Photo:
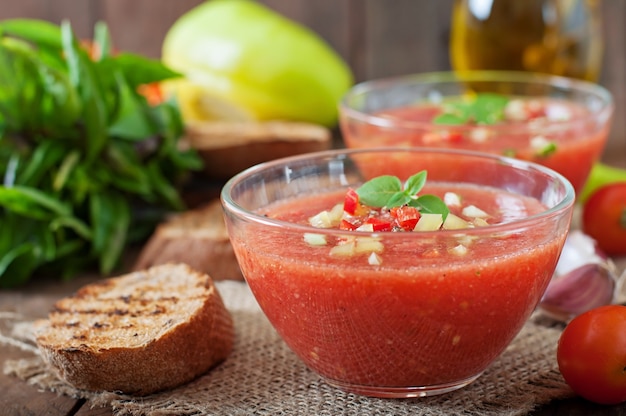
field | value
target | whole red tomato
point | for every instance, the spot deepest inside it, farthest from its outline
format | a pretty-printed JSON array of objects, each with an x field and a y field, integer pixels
[
  {"x": 604, "y": 218},
  {"x": 592, "y": 354}
]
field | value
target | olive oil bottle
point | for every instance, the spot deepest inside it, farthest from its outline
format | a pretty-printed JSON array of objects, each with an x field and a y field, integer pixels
[{"x": 561, "y": 37}]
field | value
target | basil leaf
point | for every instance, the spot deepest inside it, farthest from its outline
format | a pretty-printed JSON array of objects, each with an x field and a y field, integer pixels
[
  {"x": 431, "y": 204},
  {"x": 17, "y": 264},
  {"x": 39, "y": 32},
  {"x": 488, "y": 108},
  {"x": 139, "y": 70},
  {"x": 398, "y": 199},
  {"x": 110, "y": 217},
  {"x": 482, "y": 108},
  {"x": 74, "y": 224},
  {"x": 415, "y": 183},
  {"x": 163, "y": 187},
  {"x": 81, "y": 150},
  {"x": 377, "y": 192},
  {"x": 102, "y": 41},
  {"x": 450, "y": 119},
  {"x": 32, "y": 203},
  {"x": 131, "y": 122},
  {"x": 67, "y": 165}
]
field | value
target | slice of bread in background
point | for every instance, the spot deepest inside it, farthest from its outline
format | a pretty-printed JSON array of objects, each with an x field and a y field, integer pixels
[
  {"x": 138, "y": 333},
  {"x": 228, "y": 147},
  {"x": 197, "y": 237}
]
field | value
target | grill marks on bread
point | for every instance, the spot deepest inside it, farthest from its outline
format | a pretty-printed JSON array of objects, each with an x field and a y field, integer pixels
[{"x": 138, "y": 333}]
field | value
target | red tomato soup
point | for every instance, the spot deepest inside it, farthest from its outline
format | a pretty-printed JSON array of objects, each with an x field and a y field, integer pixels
[
  {"x": 558, "y": 134},
  {"x": 427, "y": 315}
]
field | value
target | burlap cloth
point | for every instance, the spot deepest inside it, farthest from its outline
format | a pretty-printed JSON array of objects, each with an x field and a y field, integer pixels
[{"x": 263, "y": 377}]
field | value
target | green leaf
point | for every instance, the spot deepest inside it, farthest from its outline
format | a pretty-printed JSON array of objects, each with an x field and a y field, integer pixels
[
  {"x": 451, "y": 119},
  {"x": 80, "y": 150},
  {"x": 163, "y": 187},
  {"x": 17, "y": 265},
  {"x": 102, "y": 40},
  {"x": 139, "y": 70},
  {"x": 60, "y": 103},
  {"x": 67, "y": 166},
  {"x": 398, "y": 199},
  {"x": 110, "y": 216},
  {"x": 74, "y": 224},
  {"x": 431, "y": 204},
  {"x": 482, "y": 108},
  {"x": 415, "y": 183},
  {"x": 387, "y": 191},
  {"x": 82, "y": 75},
  {"x": 19, "y": 87},
  {"x": 131, "y": 121},
  {"x": 488, "y": 108},
  {"x": 39, "y": 32},
  {"x": 32, "y": 203},
  {"x": 378, "y": 191}
]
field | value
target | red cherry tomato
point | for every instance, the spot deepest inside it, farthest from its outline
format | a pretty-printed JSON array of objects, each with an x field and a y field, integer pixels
[
  {"x": 604, "y": 218},
  {"x": 592, "y": 354}
]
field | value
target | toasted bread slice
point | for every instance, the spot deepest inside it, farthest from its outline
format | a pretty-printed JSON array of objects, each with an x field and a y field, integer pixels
[
  {"x": 228, "y": 147},
  {"x": 197, "y": 237},
  {"x": 139, "y": 333}
]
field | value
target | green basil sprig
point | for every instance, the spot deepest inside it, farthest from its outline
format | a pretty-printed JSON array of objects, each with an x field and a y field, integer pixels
[
  {"x": 389, "y": 191},
  {"x": 482, "y": 108},
  {"x": 87, "y": 165}
]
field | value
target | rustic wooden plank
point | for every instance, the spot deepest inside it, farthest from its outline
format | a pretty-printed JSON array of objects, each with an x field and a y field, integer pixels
[
  {"x": 327, "y": 18},
  {"x": 81, "y": 14},
  {"x": 405, "y": 36},
  {"x": 140, "y": 25},
  {"x": 613, "y": 76},
  {"x": 17, "y": 397}
]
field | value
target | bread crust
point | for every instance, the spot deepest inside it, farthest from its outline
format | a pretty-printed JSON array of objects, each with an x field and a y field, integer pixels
[
  {"x": 90, "y": 345},
  {"x": 197, "y": 237},
  {"x": 228, "y": 147}
]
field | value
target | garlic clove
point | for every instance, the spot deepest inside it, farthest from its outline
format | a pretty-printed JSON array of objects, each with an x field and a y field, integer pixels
[
  {"x": 579, "y": 249},
  {"x": 582, "y": 289},
  {"x": 585, "y": 278}
]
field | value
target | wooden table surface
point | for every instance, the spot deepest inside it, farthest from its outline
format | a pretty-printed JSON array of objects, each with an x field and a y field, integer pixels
[{"x": 35, "y": 299}]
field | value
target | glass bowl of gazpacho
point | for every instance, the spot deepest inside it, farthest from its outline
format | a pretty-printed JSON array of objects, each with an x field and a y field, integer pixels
[
  {"x": 398, "y": 272},
  {"x": 558, "y": 122}
]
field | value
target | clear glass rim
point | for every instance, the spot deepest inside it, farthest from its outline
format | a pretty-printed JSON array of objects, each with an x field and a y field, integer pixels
[
  {"x": 230, "y": 206},
  {"x": 519, "y": 77}
]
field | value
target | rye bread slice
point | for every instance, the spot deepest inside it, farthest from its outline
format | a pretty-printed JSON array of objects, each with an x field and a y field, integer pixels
[
  {"x": 197, "y": 237},
  {"x": 139, "y": 333}
]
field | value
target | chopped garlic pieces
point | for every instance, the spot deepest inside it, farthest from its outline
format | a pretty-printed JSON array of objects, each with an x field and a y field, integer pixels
[
  {"x": 374, "y": 259},
  {"x": 313, "y": 239},
  {"x": 452, "y": 199},
  {"x": 327, "y": 219},
  {"x": 459, "y": 250},
  {"x": 343, "y": 249},
  {"x": 473, "y": 211},
  {"x": 321, "y": 220}
]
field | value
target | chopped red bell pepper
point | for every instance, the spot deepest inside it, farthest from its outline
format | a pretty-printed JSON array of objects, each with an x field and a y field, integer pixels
[
  {"x": 379, "y": 224},
  {"x": 351, "y": 201},
  {"x": 406, "y": 216},
  {"x": 347, "y": 225},
  {"x": 455, "y": 137}
]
